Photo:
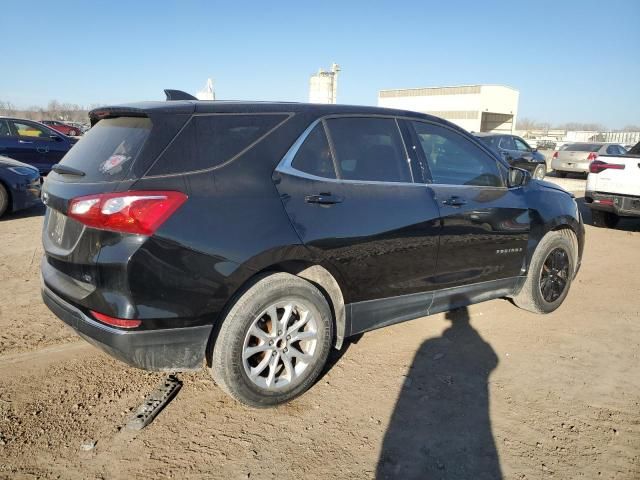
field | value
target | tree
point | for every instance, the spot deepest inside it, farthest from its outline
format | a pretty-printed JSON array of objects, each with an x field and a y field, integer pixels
[
  {"x": 525, "y": 123},
  {"x": 7, "y": 108}
]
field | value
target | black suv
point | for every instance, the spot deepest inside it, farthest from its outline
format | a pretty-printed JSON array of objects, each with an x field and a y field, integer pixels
[
  {"x": 257, "y": 236},
  {"x": 517, "y": 152}
]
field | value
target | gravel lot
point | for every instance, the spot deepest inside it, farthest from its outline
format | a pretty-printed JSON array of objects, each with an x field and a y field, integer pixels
[{"x": 489, "y": 392}]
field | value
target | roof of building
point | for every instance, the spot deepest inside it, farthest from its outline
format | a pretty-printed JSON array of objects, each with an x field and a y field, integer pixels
[{"x": 443, "y": 90}]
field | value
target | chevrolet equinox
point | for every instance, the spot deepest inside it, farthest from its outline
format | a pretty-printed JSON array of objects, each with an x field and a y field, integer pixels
[{"x": 254, "y": 237}]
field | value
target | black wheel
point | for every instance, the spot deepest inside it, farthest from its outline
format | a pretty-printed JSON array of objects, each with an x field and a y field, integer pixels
[
  {"x": 4, "y": 200},
  {"x": 540, "y": 172},
  {"x": 274, "y": 341},
  {"x": 561, "y": 174},
  {"x": 550, "y": 273},
  {"x": 604, "y": 219}
]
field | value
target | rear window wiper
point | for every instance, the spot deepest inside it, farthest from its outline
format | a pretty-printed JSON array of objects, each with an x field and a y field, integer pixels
[{"x": 64, "y": 170}]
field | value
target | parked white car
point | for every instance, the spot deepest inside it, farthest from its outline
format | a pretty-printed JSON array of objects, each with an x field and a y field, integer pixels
[
  {"x": 613, "y": 187},
  {"x": 576, "y": 157}
]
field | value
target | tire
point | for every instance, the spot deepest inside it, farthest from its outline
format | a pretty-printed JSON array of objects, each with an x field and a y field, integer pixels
[
  {"x": 604, "y": 219},
  {"x": 531, "y": 296},
  {"x": 73, "y": 133},
  {"x": 540, "y": 172},
  {"x": 561, "y": 174},
  {"x": 249, "y": 327},
  {"x": 4, "y": 200}
]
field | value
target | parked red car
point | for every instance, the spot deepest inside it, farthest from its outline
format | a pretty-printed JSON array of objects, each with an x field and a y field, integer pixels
[{"x": 62, "y": 127}]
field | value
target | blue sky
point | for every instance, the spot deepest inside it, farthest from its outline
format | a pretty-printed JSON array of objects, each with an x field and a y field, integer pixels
[{"x": 571, "y": 60}]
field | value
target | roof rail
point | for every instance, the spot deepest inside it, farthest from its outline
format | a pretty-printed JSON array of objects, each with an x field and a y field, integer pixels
[{"x": 178, "y": 95}]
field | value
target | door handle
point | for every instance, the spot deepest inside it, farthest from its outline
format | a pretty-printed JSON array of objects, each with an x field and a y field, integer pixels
[
  {"x": 454, "y": 201},
  {"x": 23, "y": 141},
  {"x": 323, "y": 199}
]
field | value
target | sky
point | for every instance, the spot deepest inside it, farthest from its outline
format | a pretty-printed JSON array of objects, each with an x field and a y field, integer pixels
[{"x": 572, "y": 61}]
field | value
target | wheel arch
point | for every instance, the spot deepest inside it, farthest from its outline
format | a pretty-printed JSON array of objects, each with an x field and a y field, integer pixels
[{"x": 325, "y": 281}]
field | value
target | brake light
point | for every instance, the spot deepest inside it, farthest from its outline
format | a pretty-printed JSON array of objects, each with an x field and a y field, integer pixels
[
  {"x": 555, "y": 155},
  {"x": 127, "y": 212},
  {"x": 116, "y": 322},
  {"x": 592, "y": 156},
  {"x": 604, "y": 201},
  {"x": 598, "y": 166}
]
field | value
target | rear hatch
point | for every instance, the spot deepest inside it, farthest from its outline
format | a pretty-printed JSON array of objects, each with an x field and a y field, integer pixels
[{"x": 110, "y": 158}]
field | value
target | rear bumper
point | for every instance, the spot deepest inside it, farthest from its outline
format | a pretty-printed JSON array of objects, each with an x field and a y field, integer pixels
[
  {"x": 171, "y": 349},
  {"x": 623, "y": 205},
  {"x": 574, "y": 167}
]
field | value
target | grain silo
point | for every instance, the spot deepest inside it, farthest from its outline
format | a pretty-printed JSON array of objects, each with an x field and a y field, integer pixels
[{"x": 323, "y": 86}]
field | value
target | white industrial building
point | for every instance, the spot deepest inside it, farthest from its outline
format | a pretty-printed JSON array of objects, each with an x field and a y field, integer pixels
[
  {"x": 476, "y": 108},
  {"x": 323, "y": 86}
]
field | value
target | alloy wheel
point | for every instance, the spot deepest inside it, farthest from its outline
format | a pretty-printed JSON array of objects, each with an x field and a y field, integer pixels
[
  {"x": 554, "y": 275},
  {"x": 280, "y": 345}
]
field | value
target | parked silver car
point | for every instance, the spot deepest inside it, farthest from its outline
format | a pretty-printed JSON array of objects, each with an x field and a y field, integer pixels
[{"x": 576, "y": 157}]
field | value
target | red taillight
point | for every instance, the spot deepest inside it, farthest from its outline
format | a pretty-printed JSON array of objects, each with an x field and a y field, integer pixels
[
  {"x": 592, "y": 156},
  {"x": 128, "y": 212},
  {"x": 604, "y": 201},
  {"x": 598, "y": 166},
  {"x": 555, "y": 155},
  {"x": 116, "y": 322}
]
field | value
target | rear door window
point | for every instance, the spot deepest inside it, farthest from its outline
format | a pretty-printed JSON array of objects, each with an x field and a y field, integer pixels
[
  {"x": 314, "y": 155},
  {"x": 107, "y": 151},
  {"x": 454, "y": 160},
  {"x": 211, "y": 140},
  {"x": 369, "y": 149}
]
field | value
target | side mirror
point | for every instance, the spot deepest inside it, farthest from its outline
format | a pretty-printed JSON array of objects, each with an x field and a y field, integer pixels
[
  {"x": 518, "y": 177},
  {"x": 534, "y": 149}
]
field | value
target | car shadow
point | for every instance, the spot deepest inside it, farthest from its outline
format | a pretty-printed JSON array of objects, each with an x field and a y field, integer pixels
[
  {"x": 440, "y": 427},
  {"x": 36, "y": 211},
  {"x": 626, "y": 224},
  {"x": 336, "y": 354}
]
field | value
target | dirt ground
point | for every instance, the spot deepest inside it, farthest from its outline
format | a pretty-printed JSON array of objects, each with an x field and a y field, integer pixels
[{"x": 480, "y": 393}]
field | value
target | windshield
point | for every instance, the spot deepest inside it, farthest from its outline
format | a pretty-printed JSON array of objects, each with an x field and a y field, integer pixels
[{"x": 107, "y": 152}]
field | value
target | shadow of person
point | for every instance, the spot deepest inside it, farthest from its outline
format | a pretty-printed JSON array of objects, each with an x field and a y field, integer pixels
[{"x": 440, "y": 427}]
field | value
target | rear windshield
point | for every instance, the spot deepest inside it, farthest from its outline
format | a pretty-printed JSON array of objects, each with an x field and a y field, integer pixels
[
  {"x": 107, "y": 151},
  {"x": 583, "y": 147}
]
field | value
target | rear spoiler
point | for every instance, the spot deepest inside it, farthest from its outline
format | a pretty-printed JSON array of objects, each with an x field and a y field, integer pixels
[
  {"x": 146, "y": 109},
  {"x": 109, "y": 112}
]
